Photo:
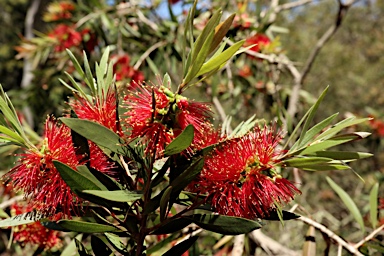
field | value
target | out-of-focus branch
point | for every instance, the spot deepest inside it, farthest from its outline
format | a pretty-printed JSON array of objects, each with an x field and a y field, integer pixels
[
  {"x": 11, "y": 201},
  {"x": 291, "y": 5},
  {"x": 369, "y": 237},
  {"x": 147, "y": 53},
  {"x": 271, "y": 246},
  {"x": 343, "y": 8},
  {"x": 352, "y": 249},
  {"x": 238, "y": 245}
]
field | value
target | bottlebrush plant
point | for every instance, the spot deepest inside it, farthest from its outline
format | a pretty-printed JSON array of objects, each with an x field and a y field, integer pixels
[{"x": 127, "y": 163}]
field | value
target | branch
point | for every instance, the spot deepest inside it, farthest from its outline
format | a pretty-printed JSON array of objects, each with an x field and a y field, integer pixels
[
  {"x": 369, "y": 237},
  {"x": 147, "y": 53},
  {"x": 271, "y": 246},
  {"x": 352, "y": 249},
  {"x": 343, "y": 8},
  {"x": 238, "y": 245}
]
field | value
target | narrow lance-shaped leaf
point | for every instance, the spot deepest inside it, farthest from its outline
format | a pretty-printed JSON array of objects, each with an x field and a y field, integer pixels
[
  {"x": 164, "y": 202},
  {"x": 310, "y": 135},
  {"x": 373, "y": 205},
  {"x": 21, "y": 219},
  {"x": 116, "y": 195},
  {"x": 76, "y": 181},
  {"x": 182, "y": 247},
  {"x": 311, "y": 115},
  {"x": 220, "y": 31},
  {"x": 97, "y": 133},
  {"x": 226, "y": 225},
  {"x": 86, "y": 227},
  {"x": 347, "y": 200},
  {"x": 181, "y": 142},
  {"x": 217, "y": 61}
]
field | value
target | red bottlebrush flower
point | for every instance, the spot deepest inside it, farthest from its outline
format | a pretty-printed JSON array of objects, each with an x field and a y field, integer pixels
[
  {"x": 260, "y": 40},
  {"x": 196, "y": 114},
  {"x": 66, "y": 37},
  {"x": 59, "y": 11},
  {"x": 123, "y": 70},
  {"x": 157, "y": 116},
  {"x": 38, "y": 178},
  {"x": 146, "y": 122},
  {"x": 240, "y": 176},
  {"x": 245, "y": 71},
  {"x": 90, "y": 40},
  {"x": 36, "y": 175},
  {"x": 34, "y": 233},
  {"x": 102, "y": 111},
  {"x": 242, "y": 21},
  {"x": 378, "y": 127},
  {"x": 173, "y": 1}
]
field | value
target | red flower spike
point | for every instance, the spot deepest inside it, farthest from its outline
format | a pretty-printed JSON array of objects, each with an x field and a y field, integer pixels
[
  {"x": 34, "y": 233},
  {"x": 240, "y": 176},
  {"x": 42, "y": 184},
  {"x": 196, "y": 114},
  {"x": 123, "y": 70},
  {"x": 66, "y": 37},
  {"x": 260, "y": 40},
  {"x": 145, "y": 120},
  {"x": 157, "y": 115},
  {"x": 102, "y": 111}
]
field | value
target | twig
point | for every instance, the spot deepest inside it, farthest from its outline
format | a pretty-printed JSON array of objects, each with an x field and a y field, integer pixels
[
  {"x": 238, "y": 245},
  {"x": 369, "y": 237},
  {"x": 292, "y": 106},
  {"x": 147, "y": 53},
  {"x": 331, "y": 235},
  {"x": 220, "y": 110},
  {"x": 292, "y": 5},
  {"x": 271, "y": 246},
  {"x": 11, "y": 201}
]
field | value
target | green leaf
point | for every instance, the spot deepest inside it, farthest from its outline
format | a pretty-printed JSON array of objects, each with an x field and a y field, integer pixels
[
  {"x": 221, "y": 30},
  {"x": 99, "y": 247},
  {"x": 163, "y": 243},
  {"x": 81, "y": 249},
  {"x": 187, "y": 176},
  {"x": 70, "y": 249},
  {"x": 200, "y": 59},
  {"x": 164, "y": 202},
  {"x": 285, "y": 216},
  {"x": 21, "y": 219},
  {"x": 324, "y": 167},
  {"x": 206, "y": 36},
  {"x": 311, "y": 115},
  {"x": 226, "y": 225},
  {"x": 303, "y": 161},
  {"x": 373, "y": 197},
  {"x": 337, "y": 140},
  {"x": 217, "y": 61},
  {"x": 97, "y": 133},
  {"x": 83, "y": 170},
  {"x": 116, "y": 195},
  {"x": 107, "y": 181},
  {"x": 339, "y": 126},
  {"x": 342, "y": 155},
  {"x": 310, "y": 134},
  {"x": 86, "y": 227},
  {"x": 181, "y": 142},
  {"x": 173, "y": 226},
  {"x": 182, "y": 247},
  {"x": 347, "y": 200},
  {"x": 116, "y": 242},
  {"x": 76, "y": 181},
  {"x": 75, "y": 63}
]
